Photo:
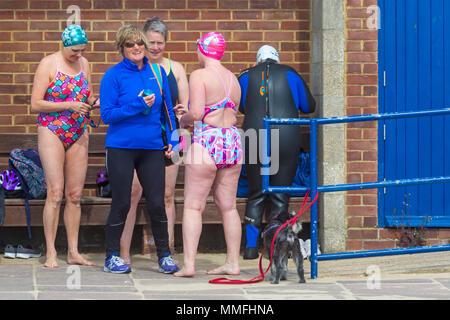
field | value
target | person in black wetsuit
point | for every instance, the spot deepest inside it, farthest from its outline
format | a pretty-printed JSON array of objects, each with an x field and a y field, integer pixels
[{"x": 274, "y": 90}]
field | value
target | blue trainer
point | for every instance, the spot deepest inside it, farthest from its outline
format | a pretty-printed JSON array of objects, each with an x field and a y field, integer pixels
[
  {"x": 115, "y": 264},
  {"x": 167, "y": 264}
]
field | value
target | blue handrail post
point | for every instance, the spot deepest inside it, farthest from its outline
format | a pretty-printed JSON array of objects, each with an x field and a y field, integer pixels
[
  {"x": 313, "y": 177},
  {"x": 314, "y": 123},
  {"x": 265, "y": 156}
]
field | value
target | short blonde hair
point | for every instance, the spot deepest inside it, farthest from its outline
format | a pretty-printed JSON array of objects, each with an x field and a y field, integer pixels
[{"x": 129, "y": 32}]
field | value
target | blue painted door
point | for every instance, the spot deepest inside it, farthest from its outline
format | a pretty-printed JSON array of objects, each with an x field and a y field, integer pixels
[{"x": 414, "y": 74}]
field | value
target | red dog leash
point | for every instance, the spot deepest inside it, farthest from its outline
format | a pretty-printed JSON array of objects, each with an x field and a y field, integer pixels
[{"x": 260, "y": 277}]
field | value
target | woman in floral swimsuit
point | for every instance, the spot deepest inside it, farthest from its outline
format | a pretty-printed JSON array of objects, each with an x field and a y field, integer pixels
[
  {"x": 62, "y": 96},
  {"x": 213, "y": 162}
]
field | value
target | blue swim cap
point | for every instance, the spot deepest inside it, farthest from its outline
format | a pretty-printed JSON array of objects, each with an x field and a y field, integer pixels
[{"x": 74, "y": 35}]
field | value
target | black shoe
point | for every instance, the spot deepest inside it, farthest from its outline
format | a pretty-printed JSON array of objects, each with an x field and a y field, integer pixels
[
  {"x": 27, "y": 252},
  {"x": 251, "y": 253},
  {"x": 10, "y": 251}
]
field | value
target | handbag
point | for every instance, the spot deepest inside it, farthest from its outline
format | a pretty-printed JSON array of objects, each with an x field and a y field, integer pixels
[
  {"x": 164, "y": 115},
  {"x": 103, "y": 186}
]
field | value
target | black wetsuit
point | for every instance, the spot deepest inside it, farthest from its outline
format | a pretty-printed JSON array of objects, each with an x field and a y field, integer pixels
[{"x": 276, "y": 91}]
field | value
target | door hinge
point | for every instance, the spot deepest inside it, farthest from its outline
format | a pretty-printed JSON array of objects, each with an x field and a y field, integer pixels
[
  {"x": 384, "y": 78},
  {"x": 384, "y": 189},
  {"x": 384, "y": 132}
]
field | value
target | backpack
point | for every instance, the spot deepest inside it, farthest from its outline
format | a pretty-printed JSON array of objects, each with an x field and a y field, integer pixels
[
  {"x": 103, "y": 186},
  {"x": 303, "y": 174},
  {"x": 2, "y": 206},
  {"x": 27, "y": 165}
]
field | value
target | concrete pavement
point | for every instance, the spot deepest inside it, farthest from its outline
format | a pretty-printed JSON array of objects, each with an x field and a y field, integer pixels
[{"x": 418, "y": 276}]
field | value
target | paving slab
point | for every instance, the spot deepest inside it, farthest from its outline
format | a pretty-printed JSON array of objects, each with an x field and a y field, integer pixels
[{"x": 404, "y": 277}]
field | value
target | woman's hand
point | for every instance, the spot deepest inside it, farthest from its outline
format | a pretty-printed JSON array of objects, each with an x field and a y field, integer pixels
[
  {"x": 80, "y": 107},
  {"x": 149, "y": 100},
  {"x": 169, "y": 153},
  {"x": 180, "y": 110},
  {"x": 96, "y": 104}
]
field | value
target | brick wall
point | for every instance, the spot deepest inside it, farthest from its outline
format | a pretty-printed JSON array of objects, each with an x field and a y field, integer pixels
[
  {"x": 31, "y": 29},
  {"x": 362, "y": 98}
]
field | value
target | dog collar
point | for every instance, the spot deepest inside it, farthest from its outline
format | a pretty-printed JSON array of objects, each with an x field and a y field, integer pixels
[{"x": 270, "y": 228}]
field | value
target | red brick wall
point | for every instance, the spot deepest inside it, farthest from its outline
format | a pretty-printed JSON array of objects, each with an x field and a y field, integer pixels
[
  {"x": 362, "y": 143},
  {"x": 31, "y": 29}
]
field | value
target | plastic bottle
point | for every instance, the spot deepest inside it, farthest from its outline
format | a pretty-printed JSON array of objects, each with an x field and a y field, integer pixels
[{"x": 146, "y": 93}]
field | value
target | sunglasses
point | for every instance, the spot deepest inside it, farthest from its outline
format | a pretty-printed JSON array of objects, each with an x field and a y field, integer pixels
[
  {"x": 91, "y": 121},
  {"x": 131, "y": 44}
]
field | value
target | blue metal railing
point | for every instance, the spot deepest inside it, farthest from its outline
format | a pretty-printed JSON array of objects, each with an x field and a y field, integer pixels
[{"x": 313, "y": 124}]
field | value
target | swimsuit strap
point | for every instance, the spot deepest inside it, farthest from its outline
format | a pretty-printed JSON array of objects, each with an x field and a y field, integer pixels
[
  {"x": 222, "y": 103},
  {"x": 227, "y": 98},
  {"x": 230, "y": 85},
  {"x": 223, "y": 83},
  {"x": 170, "y": 66},
  {"x": 58, "y": 68}
]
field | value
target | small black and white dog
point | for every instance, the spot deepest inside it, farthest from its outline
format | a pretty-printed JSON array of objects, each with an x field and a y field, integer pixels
[{"x": 286, "y": 244}]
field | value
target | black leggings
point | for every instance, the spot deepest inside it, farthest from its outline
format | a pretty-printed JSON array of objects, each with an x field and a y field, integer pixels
[{"x": 150, "y": 169}]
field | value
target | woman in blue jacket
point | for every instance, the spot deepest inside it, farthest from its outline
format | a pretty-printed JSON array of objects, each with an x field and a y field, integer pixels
[{"x": 134, "y": 141}]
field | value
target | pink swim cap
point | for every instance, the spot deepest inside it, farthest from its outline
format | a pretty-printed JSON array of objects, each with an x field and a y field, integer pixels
[{"x": 212, "y": 45}]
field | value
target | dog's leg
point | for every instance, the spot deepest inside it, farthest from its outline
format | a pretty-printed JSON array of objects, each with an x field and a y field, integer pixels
[
  {"x": 272, "y": 258},
  {"x": 273, "y": 269},
  {"x": 276, "y": 260},
  {"x": 298, "y": 258},
  {"x": 284, "y": 269}
]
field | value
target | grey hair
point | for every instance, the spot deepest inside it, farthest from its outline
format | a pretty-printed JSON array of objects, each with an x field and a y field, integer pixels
[{"x": 157, "y": 25}]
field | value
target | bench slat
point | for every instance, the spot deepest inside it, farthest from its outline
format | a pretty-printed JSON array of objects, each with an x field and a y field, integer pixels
[
  {"x": 11, "y": 141},
  {"x": 95, "y": 211}
]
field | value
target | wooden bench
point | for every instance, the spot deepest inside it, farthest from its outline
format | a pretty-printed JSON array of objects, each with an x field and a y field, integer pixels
[{"x": 95, "y": 209}]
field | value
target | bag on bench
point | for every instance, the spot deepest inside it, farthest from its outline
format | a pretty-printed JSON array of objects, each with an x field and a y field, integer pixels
[
  {"x": 2, "y": 206},
  {"x": 103, "y": 186},
  {"x": 27, "y": 165},
  {"x": 10, "y": 185}
]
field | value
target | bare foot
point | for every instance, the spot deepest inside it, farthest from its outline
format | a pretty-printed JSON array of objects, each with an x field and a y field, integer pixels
[
  {"x": 76, "y": 258},
  {"x": 229, "y": 269},
  {"x": 176, "y": 260},
  {"x": 125, "y": 255},
  {"x": 126, "y": 259},
  {"x": 172, "y": 252},
  {"x": 185, "y": 272},
  {"x": 51, "y": 261}
]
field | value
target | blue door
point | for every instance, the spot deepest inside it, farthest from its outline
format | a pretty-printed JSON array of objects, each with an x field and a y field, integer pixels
[{"x": 414, "y": 74}]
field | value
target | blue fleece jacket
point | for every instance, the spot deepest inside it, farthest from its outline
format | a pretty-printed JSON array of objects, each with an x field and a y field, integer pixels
[{"x": 122, "y": 107}]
